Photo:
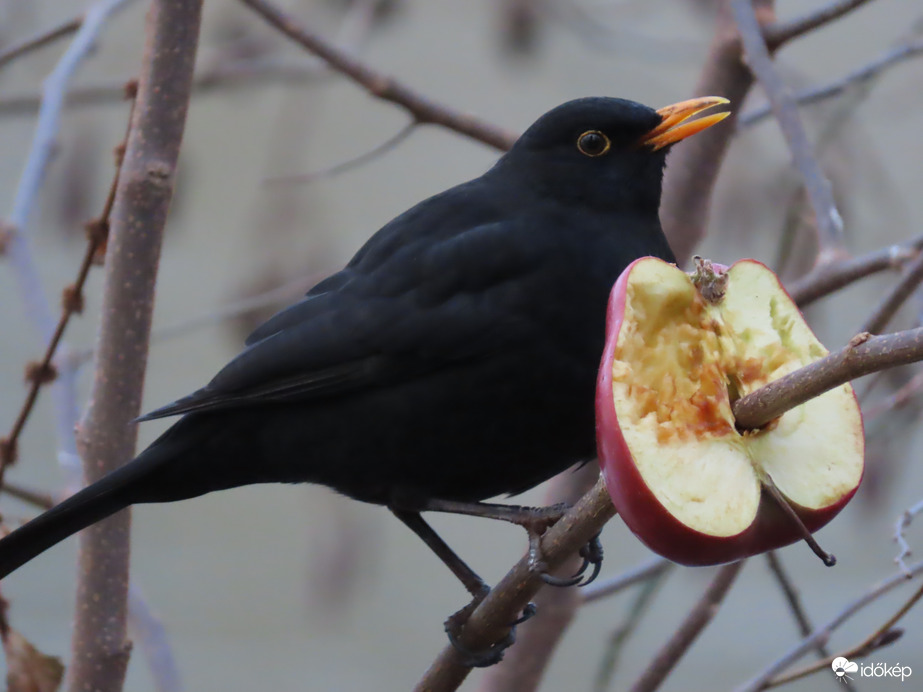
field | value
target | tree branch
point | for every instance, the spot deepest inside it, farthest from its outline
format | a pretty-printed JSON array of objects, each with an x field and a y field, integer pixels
[
  {"x": 382, "y": 86},
  {"x": 863, "y": 355},
  {"x": 829, "y": 277},
  {"x": 107, "y": 436},
  {"x": 785, "y": 31},
  {"x": 507, "y": 599}
]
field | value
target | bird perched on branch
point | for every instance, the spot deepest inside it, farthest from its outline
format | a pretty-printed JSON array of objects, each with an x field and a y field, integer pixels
[{"x": 453, "y": 359}]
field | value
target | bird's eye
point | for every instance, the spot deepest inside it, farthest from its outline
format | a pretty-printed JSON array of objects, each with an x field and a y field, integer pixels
[{"x": 593, "y": 143}]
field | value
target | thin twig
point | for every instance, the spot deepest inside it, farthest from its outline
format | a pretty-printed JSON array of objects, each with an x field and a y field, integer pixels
[
  {"x": 860, "y": 76},
  {"x": 822, "y": 634},
  {"x": 37, "y": 498},
  {"x": 863, "y": 355},
  {"x": 701, "y": 614},
  {"x": 900, "y": 397},
  {"x": 40, "y": 40},
  {"x": 891, "y": 303},
  {"x": 829, "y": 277},
  {"x": 880, "y": 638},
  {"x": 784, "y": 31},
  {"x": 71, "y": 303},
  {"x": 902, "y": 523},
  {"x": 620, "y": 637},
  {"x": 608, "y": 587},
  {"x": 818, "y": 188},
  {"x": 106, "y": 436},
  {"x": 230, "y": 74},
  {"x": 793, "y": 598},
  {"x": 422, "y": 109},
  {"x": 370, "y": 155}
]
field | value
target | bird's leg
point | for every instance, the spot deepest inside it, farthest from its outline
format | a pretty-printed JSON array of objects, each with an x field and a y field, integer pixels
[
  {"x": 475, "y": 586},
  {"x": 535, "y": 520},
  {"x": 467, "y": 576}
]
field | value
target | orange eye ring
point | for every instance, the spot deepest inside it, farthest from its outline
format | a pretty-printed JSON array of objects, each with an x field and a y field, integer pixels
[{"x": 593, "y": 143}]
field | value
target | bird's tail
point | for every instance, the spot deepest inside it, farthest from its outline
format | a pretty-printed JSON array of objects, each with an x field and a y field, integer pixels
[{"x": 107, "y": 496}]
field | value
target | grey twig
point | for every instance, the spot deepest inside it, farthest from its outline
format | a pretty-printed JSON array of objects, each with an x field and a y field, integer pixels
[
  {"x": 860, "y": 76},
  {"x": 891, "y": 303},
  {"x": 822, "y": 633},
  {"x": 818, "y": 188},
  {"x": 902, "y": 523},
  {"x": 602, "y": 589}
]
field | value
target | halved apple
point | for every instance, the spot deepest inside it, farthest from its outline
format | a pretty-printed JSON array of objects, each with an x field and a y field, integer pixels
[{"x": 685, "y": 480}]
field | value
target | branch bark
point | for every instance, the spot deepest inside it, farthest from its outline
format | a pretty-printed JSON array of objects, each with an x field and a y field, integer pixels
[{"x": 106, "y": 436}]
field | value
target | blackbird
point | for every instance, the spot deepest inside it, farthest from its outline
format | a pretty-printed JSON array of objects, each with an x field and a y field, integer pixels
[{"x": 452, "y": 360}]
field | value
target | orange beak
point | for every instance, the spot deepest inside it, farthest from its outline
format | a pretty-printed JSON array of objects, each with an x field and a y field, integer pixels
[{"x": 674, "y": 126}]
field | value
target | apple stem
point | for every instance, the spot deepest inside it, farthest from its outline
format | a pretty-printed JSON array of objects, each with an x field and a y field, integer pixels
[
  {"x": 711, "y": 283},
  {"x": 774, "y": 492}
]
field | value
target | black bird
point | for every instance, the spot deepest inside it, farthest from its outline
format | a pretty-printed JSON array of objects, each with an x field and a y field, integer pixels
[{"x": 452, "y": 360}]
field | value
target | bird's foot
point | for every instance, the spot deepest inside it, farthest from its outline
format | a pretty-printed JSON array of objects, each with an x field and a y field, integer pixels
[
  {"x": 492, "y": 654},
  {"x": 592, "y": 554}
]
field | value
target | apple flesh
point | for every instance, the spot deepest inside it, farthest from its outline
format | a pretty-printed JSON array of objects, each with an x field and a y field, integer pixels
[{"x": 685, "y": 480}]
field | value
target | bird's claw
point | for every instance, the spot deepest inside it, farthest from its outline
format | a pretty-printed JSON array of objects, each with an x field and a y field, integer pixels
[
  {"x": 492, "y": 654},
  {"x": 592, "y": 554}
]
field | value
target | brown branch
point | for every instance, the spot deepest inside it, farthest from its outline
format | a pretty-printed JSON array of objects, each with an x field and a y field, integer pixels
[
  {"x": 507, "y": 599},
  {"x": 696, "y": 621},
  {"x": 40, "y": 40},
  {"x": 863, "y": 355},
  {"x": 860, "y": 76},
  {"x": 784, "y": 31},
  {"x": 891, "y": 303},
  {"x": 71, "y": 303},
  {"x": 106, "y": 436},
  {"x": 382, "y": 86},
  {"x": 829, "y": 277},
  {"x": 37, "y": 498},
  {"x": 819, "y": 190},
  {"x": 522, "y": 668}
]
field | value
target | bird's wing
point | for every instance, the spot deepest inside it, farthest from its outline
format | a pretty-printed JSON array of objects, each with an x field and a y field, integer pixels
[{"x": 408, "y": 304}]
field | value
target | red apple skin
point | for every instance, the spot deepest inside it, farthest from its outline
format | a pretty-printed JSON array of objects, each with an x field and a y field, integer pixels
[{"x": 643, "y": 513}]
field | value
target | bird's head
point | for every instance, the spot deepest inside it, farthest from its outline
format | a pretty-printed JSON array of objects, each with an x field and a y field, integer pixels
[{"x": 605, "y": 153}]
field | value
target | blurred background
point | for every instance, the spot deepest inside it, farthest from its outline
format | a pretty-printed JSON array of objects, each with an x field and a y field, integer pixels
[{"x": 294, "y": 587}]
